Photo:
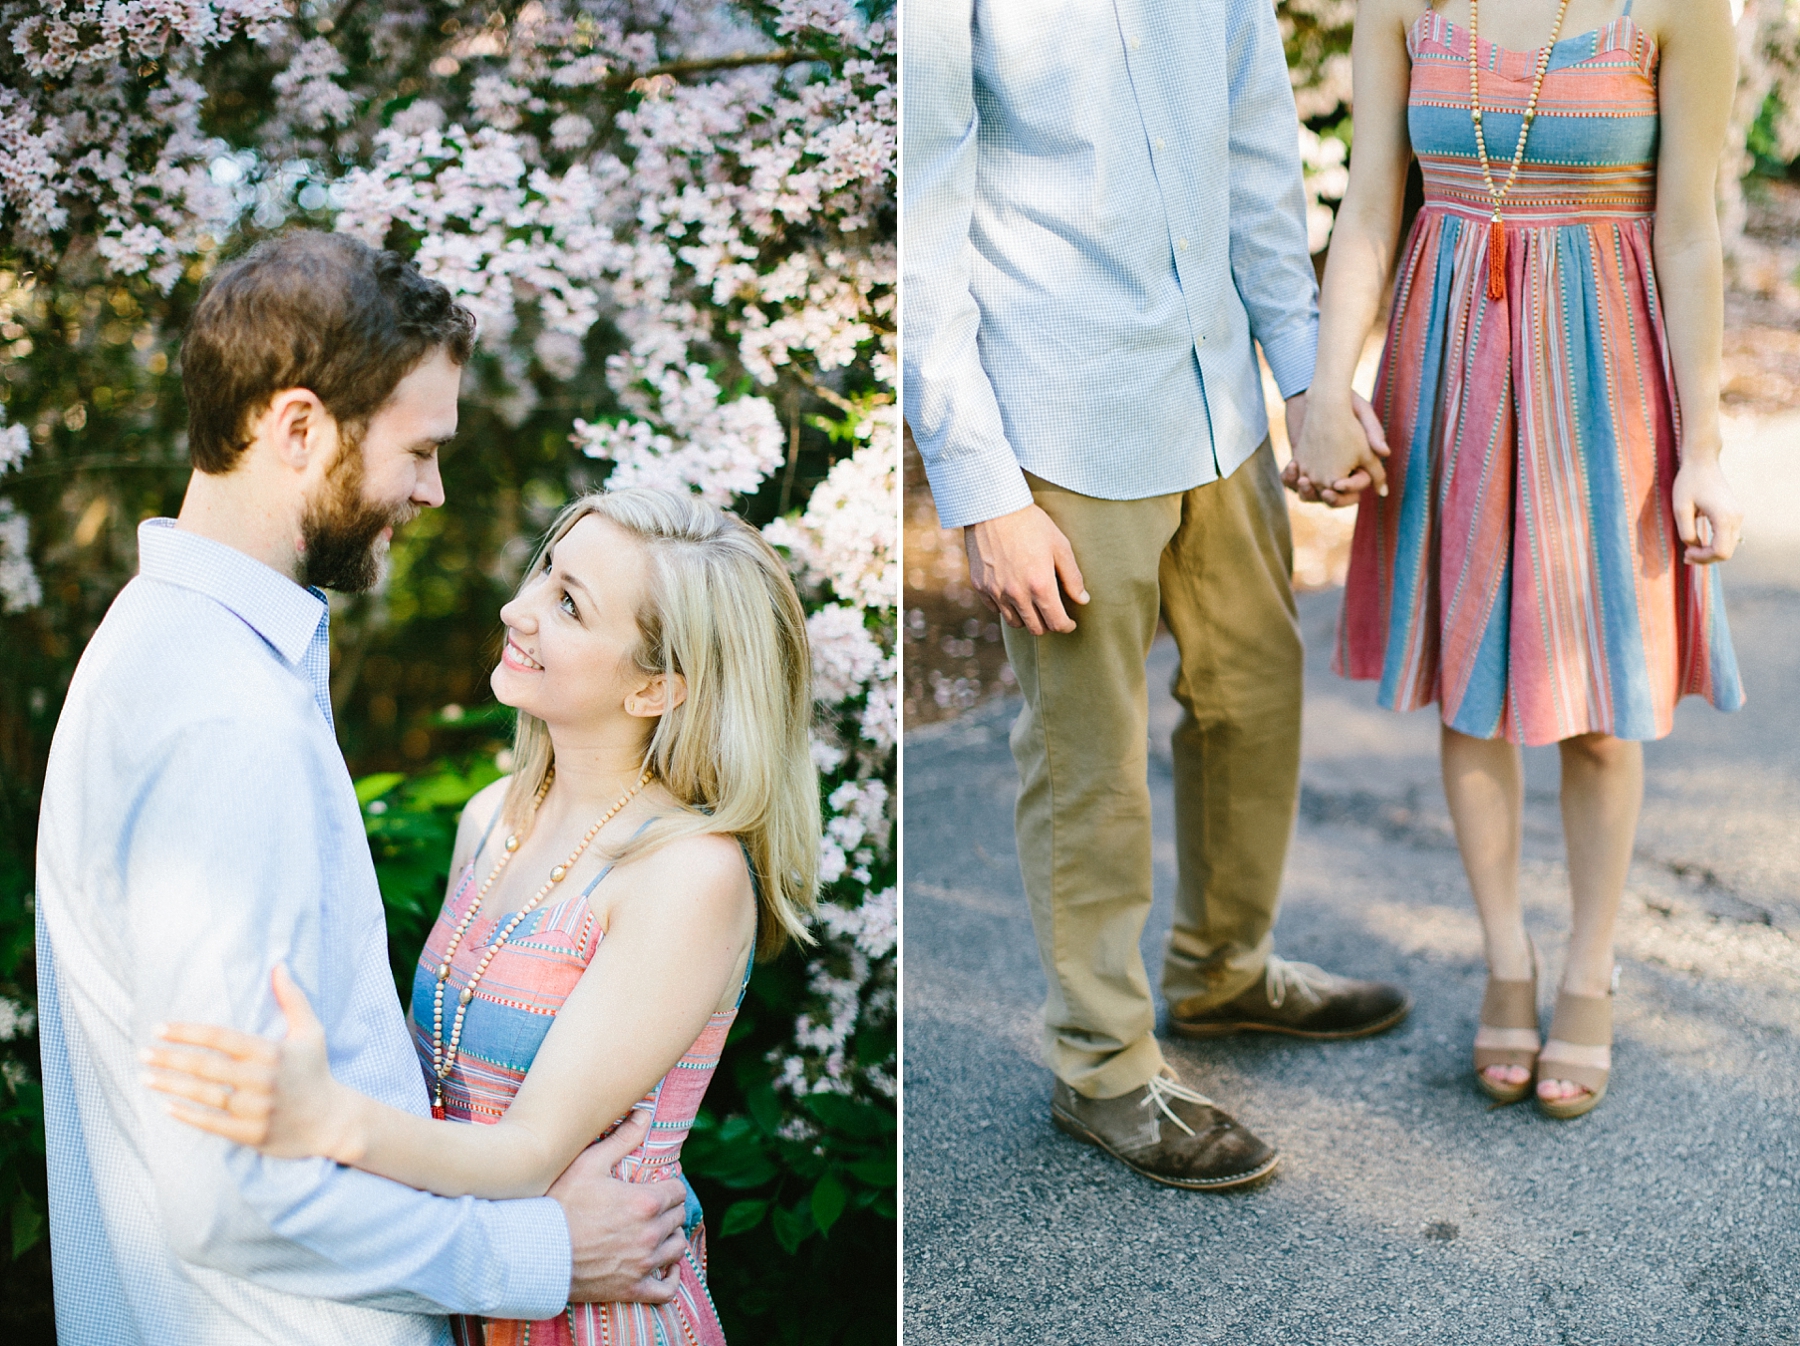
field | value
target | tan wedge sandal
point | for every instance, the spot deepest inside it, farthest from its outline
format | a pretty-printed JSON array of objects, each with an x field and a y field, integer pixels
[
  {"x": 1581, "y": 1021},
  {"x": 1509, "y": 1004}
]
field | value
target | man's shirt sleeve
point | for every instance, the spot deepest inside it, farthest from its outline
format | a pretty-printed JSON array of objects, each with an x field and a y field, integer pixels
[
  {"x": 950, "y": 403},
  {"x": 1270, "y": 263},
  {"x": 223, "y": 868}
]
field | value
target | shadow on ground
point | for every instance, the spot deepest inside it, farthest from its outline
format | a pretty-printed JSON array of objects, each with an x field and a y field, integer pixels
[{"x": 1405, "y": 1210}]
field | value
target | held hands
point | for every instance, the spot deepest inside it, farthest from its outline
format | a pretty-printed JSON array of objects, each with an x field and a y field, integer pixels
[
  {"x": 1022, "y": 565},
  {"x": 1338, "y": 450},
  {"x": 1706, "y": 512},
  {"x": 276, "y": 1097}
]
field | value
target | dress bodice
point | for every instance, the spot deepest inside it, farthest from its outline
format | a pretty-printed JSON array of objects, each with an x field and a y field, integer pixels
[
  {"x": 515, "y": 1002},
  {"x": 1592, "y": 148}
]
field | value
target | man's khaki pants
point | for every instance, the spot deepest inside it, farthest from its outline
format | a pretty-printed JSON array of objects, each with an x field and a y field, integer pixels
[{"x": 1214, "y": 562}]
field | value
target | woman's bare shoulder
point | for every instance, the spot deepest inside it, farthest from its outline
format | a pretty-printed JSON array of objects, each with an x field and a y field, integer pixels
[
  {"x": 1392, "y": 20},
  {"x": 712, "y": 861},
  {"x": 1667, "y": 20},
  {"x": 1394, "y": 15},
  {"x": 699, "y": 878}
]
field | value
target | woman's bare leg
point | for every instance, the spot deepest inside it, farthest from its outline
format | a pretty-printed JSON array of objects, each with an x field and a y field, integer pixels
[
  {"x": 1602, "y": 790},
  {"x": 1485, "y": 787}
]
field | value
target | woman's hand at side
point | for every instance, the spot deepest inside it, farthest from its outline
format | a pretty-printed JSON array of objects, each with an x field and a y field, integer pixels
[
  {"x": 275, "y": 1097},
  {"x": 1703, "y": 494}
]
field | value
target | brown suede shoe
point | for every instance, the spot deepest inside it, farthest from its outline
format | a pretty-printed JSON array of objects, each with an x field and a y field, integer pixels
[
  {"x": 1168, "y": 1133},
  {"x": 1304, "y": 1002}
]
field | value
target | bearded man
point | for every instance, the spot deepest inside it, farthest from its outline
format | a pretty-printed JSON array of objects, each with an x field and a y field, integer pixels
[{"x": 199, "y": 827}]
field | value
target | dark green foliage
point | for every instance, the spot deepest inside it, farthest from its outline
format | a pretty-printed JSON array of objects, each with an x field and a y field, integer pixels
[
  {"x": 800, "y": 1215},
  {"x": 24, "y": 1251}
]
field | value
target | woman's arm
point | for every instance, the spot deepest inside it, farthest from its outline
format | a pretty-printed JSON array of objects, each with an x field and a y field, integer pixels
[
  {"x": 1694, "y": 91},
  {"x": 681, "y": 926},
  {"x": 1332, "y": 444}
]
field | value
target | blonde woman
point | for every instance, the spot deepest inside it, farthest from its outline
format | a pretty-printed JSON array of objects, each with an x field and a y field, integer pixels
[
  {"x": 659, "y": 830},
  {"x": 1542, "y": 564}
]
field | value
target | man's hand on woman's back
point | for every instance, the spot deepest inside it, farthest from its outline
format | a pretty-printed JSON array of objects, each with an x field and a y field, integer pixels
[{"x": 624, "y": 1237}]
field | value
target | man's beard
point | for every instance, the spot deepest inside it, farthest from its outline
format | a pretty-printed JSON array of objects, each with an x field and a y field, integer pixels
[{"x": 340, "y": 528}]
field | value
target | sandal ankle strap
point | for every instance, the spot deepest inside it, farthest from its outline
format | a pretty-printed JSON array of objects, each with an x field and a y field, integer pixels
[
  {"x": 1583, "y": 1020},
  {"x": 1509, "y": 1004}
]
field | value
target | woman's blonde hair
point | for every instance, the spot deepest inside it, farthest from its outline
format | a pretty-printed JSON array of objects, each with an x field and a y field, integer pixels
[{"x": 720, "y": 610}]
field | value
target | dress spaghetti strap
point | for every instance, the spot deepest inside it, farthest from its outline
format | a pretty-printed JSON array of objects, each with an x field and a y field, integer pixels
[
  {"x": 588, "y": 891},
  {"x": 493, "y": 822}
]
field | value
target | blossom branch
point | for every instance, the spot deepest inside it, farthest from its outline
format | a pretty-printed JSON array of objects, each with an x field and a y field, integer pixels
[{"x": 739, "y": 60}]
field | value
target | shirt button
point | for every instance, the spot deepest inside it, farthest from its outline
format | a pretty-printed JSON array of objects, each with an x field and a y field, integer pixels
[
  {"x": 1181, "y": 243},
  {"x": 1159, "y": 143},
  {"x": 1136, "y": 42}
]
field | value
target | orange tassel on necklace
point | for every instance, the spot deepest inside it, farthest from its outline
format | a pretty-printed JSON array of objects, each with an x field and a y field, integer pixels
[{"x": 1496, "y": 257}]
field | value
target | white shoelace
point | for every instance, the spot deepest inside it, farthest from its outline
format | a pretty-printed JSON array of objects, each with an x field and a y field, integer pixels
[
  {"x": 1304, "y": 978},
  {"x": 1162, "y": 1088}
]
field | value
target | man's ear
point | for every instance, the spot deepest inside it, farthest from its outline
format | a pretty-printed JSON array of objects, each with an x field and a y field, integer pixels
[
  {"x": 299, "y": 428},
  {"x": 659, "y": 695}
]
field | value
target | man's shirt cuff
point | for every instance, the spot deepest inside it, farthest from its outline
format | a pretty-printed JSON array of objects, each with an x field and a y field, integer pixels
[
  {"x": 1291, "y": 357},
  {"x": 534, "y": 1236},
  {"x": 970, "y": 490}
]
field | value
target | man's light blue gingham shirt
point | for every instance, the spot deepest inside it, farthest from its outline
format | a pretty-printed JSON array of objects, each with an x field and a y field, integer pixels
[
  {"x": 199, "y": 826},
  {"x": 1101, "y": 206}
]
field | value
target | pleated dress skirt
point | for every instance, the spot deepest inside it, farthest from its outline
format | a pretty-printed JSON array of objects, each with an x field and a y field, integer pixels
[{"x": 1524, "y": 572}]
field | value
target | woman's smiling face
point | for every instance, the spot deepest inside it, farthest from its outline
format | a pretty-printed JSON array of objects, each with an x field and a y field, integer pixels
[{"x": 572, "y": 631}]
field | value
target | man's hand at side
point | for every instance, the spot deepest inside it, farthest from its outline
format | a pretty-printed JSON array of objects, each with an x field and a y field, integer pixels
[
  {"x": 623, "y": 1235},
  {"x": 1022, "y": 565}
]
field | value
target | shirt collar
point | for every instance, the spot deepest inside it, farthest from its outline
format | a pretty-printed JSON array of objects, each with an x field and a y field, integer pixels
[{"x": 277, "y": 609}]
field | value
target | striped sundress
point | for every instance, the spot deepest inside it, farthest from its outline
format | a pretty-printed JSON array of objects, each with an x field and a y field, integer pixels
[
  {"x": 1524, "y": 571},
  {"x": 514, "y": 1003}
]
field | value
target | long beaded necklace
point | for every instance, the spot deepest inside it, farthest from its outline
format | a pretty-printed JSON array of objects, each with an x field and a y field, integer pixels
[
  {"x": 1496, "y": 226},
  {"x": 443, "y": 1055}
]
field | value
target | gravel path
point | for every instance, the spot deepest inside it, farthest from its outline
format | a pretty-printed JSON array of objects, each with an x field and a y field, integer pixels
[{"x": 1405, "y": 1210}]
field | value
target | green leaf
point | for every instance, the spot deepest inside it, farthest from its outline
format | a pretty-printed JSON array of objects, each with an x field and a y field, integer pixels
[
  {"x": 792, "y": 1226},
  {"x": 733, "y": 1155},
  {"x": 765, "y": 1107},
  {"x": 741, "y": 1216},
  {"x": 27, "y": 1224},
  {"x": 877, "y": 1170},
  {"x": 828, "y": 1198},
  {"x": 849, "y": 1116},
  {"x": 446, "y": 790},
  {"x": 371, "y": 788},
  {"x": 803, "y": 1160}
]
